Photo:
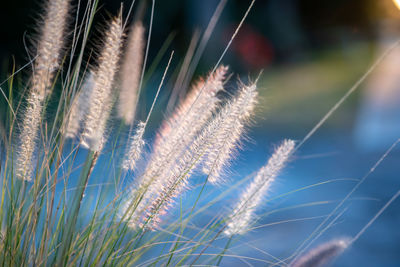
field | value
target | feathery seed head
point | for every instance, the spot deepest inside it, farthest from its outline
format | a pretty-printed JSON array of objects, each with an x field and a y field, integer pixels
[
  {"x": 176, "y": 180},
  {"x": 101, "y": 98},
  {"x": 197, "y": 107},
  {"x": 232, "y": 121},
  {"x": 47, "y": 61},
  {"x": 179, "y": 150},
  {"x": 28, "y": 137},
  {"x": 79, "y": 107},
  {"x": 252, "y": 197},
  {"x": 50, "y": 45},
  {"x": 131, "y": 73},
  {"x": 135, "y": 148},
  {"x": 322, "y": 254}
]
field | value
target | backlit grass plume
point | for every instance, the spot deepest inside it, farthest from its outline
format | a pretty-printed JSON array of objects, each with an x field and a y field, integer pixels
[
  {"x": 243, "y": 213},
  {"x": 135, "y": 147},
  {"x": 93, "y": 136},
  {"x": 193, "y": 112},
  {"x": 131, "y": 71},
  {"x": 50, "y": 45},
  {"x": 46, "y": 63},
  {"x": 79, "y": 107},
  {"x": 176, "y": 179},
  {"x": 136, "y": 204},
  {"x": 28, "y": 137},
  {"x": 176, "y": 175},
  {"x": 323, "y": 254},
  {"x": 175, "y": 137},
  {"x": 234, "y": 118}
]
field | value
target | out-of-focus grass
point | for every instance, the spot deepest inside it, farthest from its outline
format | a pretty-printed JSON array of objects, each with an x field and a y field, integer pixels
[{"x": 298, "y": 94}]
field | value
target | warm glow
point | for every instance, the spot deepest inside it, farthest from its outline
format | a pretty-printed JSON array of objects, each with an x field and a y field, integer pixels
[{"x": 397, "y": 3}]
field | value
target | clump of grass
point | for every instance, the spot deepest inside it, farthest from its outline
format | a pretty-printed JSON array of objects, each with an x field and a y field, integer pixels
[{"x": 56, "y": 220}]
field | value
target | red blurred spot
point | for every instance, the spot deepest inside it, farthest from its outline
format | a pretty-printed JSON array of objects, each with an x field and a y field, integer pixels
[{"x": 253, "y": 49}]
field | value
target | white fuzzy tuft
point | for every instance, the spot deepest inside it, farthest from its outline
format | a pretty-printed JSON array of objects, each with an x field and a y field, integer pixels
[
  {"x": 93, "y": 136},
  {"x": 176, "y": 178},
  {"x": 177, "y": 150},
  {"x": 50, "y": 45},
  {"x": 131, "y": 72},
  {"x": 79, "y": 108},
  {"x": 243, "y": 213},
  {"x": 192, "y": 113},
  {"x": 135, "y": 148},
  {"x": 46, "y": 63},
  {"x": 323, "y": 254},
  {"x": 28, "y": 136},
  {"x": 233, "y": 119}
]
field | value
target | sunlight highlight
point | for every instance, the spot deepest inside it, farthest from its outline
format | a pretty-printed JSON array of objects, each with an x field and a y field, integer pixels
[{"x": 397, "y": 3}]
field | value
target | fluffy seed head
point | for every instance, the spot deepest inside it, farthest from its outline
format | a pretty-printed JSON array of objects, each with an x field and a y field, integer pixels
[
  {"x": 177, "y": 150},
  {"x": 79, "y": 107},
  {"x": 181, "y": 142},
  {"x": 252, "y": 197},
  {"x": 176, "y": 136},
  {"x": 47, "y": 61},
  {"x": 131, "y": 72},
  {"x": 194, "y": 111},
  {"x": 101, "y": 99},
  {"x": 176, "y": 178},
  {"x": 50, "y": 45},
  {"x": 135, "y": 148},
  {"x": 232, "y": 119},
  {"x": 28, "y": 137},
  {"x": 322, "y": 254}
]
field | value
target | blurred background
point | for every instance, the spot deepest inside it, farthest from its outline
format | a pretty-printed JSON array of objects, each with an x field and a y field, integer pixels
[{"x": 312, "y": 53}]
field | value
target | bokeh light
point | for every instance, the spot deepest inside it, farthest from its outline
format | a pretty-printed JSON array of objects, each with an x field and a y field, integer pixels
[{"x": 397, "y": 3}]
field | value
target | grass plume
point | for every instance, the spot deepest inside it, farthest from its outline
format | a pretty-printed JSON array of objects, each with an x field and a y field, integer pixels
[
  {"x": 233, "y": 119},
  {"x": 175, "y": 137},
  {"x": 135, "y": 147},
  {"x": 323, "y": 254},
  {"x": 252, "y": 197},
  {"x": 79, "y": 107},
  {"x": 131, "y": 71},
  {"x": 47, "y": 61},
  {"x": 88, "y": 208},
  {"x": 94, "y": 132}
]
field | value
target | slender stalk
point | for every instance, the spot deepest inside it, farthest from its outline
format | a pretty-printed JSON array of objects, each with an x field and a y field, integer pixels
[{"x": 72, "y": 216}]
